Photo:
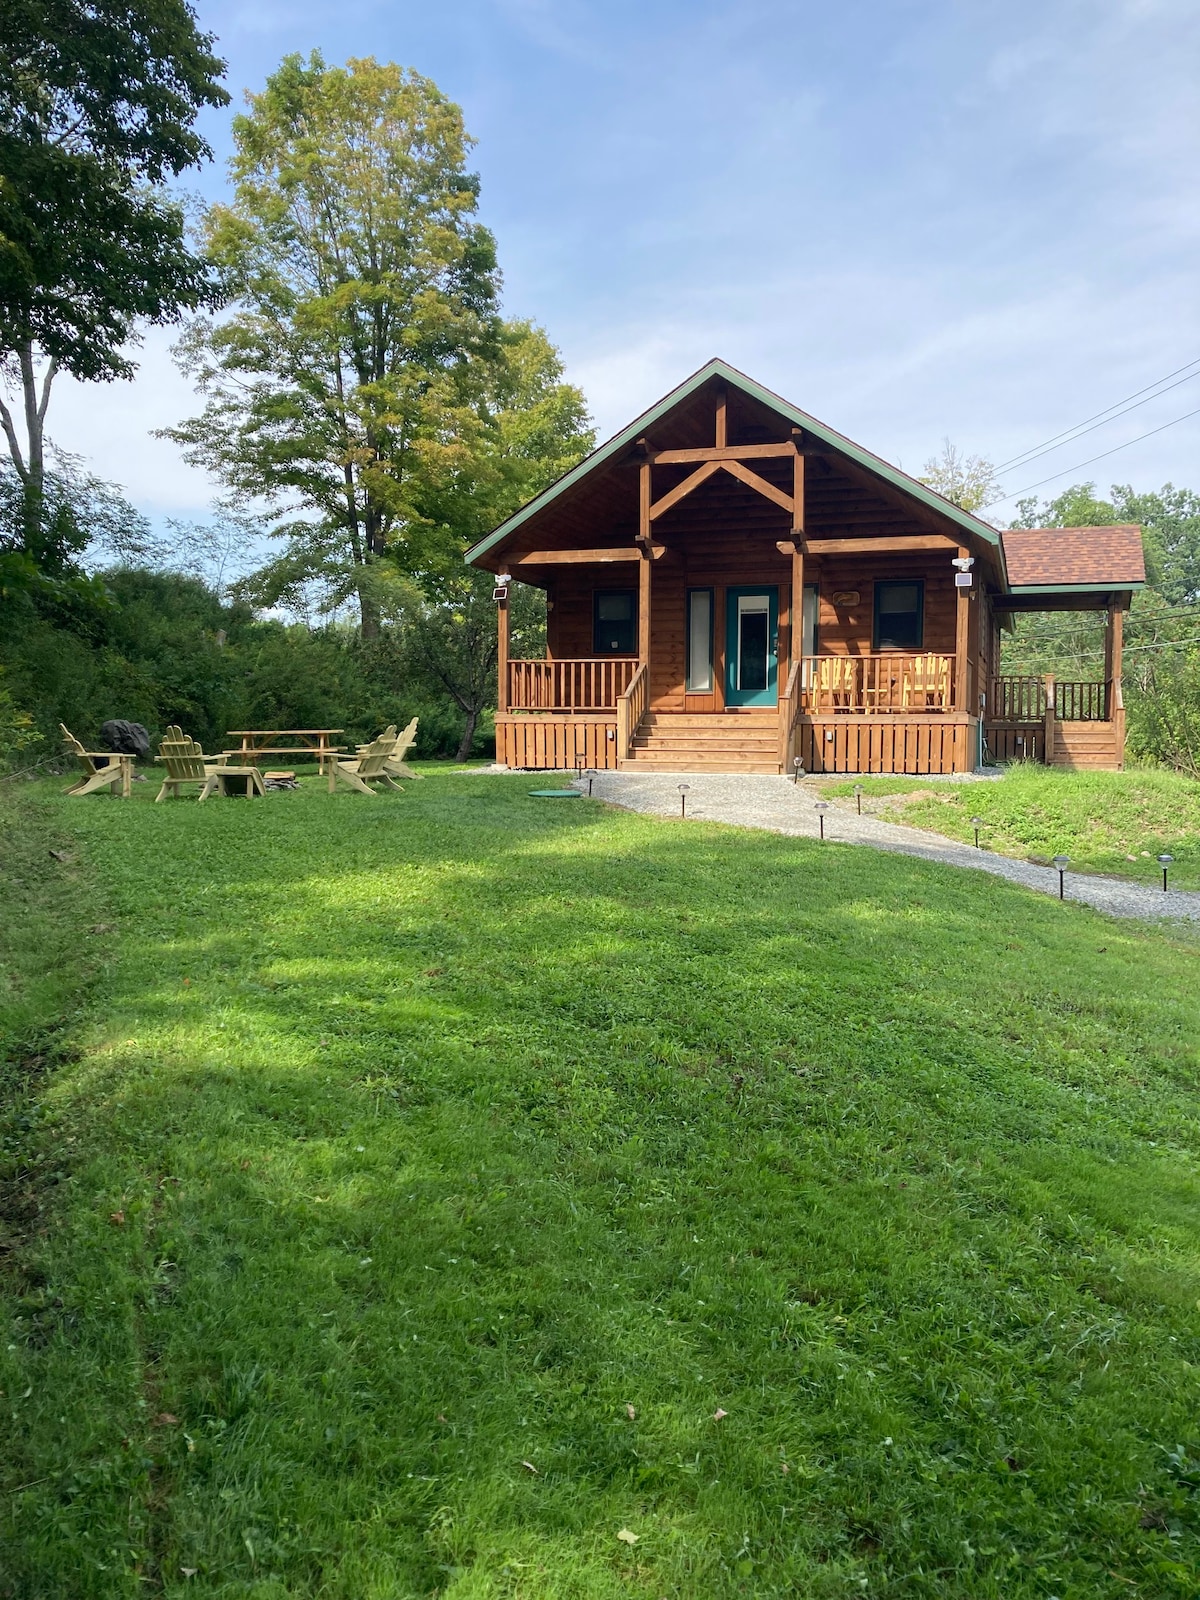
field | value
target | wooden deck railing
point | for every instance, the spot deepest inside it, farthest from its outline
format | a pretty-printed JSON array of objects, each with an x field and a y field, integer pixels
[
  {"x": 790, "y": 703},
  {"x": 631, "y": 708},
  {"x": 569, "y": 685},
  {"x": 1025, "y": 699},
  {"x": 886, "y": 682}
]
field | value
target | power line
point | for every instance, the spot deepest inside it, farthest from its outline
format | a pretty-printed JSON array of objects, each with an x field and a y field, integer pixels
[
  {"x": 1041, "y": 448},
  {"x": 1031, "y": 456},
  {"x": 1080, "y": 464}
]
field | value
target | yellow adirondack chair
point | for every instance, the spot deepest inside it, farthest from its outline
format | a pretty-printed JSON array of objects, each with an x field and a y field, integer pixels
[
  {"x": 368, "y": 767},
  {"x": 102, "y": 769},
  {"x": 185, "y": 762},
  {"x": 397, "y": 766},
  {"x": 402, "y": 743},
  {"x": 835, "y": 687},
  {"x": 927, "y": 683}
]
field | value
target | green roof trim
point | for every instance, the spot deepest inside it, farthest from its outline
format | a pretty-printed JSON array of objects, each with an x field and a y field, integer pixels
[
  {"x": 1117, "y": 586},
  {"x": 800, "y": 419}
]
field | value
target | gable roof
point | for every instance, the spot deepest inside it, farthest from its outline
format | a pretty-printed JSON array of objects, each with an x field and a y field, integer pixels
[
  {"x": 717, "y": 368},
  {"x": 1057, "y": 558}
]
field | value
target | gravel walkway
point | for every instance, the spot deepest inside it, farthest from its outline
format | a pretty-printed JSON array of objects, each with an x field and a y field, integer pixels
[{"x": 778, "y": 805}]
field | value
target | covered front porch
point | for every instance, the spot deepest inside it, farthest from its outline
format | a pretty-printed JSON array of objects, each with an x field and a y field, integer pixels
[{"x": 732, "y": 586}]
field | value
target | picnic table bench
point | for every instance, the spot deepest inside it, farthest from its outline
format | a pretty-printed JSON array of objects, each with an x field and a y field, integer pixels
[{"x": 304, "y": 742}]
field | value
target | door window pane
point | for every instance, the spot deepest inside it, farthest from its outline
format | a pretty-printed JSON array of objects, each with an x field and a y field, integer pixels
[
  {"x": 699, "y": 661},
  {"x": 614, "y": 624},
  {"x": 754, "y": 619},
  {"x": 899, "y": 623}
]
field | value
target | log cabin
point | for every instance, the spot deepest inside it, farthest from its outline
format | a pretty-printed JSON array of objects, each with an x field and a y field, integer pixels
[{"x": 733, "y": 586}]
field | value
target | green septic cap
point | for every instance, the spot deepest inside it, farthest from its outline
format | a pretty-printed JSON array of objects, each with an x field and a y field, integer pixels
[{"x": 556, "y": 794}]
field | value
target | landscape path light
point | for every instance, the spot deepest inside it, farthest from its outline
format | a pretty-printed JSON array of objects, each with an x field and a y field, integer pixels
[
  {"x": 1164, "y": 862},
  {"x": 821, "y": 807},
  {"x": 858, "y": 797},
  {"x": 799, "y": 772},
  {"x": 977, "y": 823},
  {"x": 1062, "y": 863},
  {"x": 590, "y": 775},
  {"x": 684, "y": 791}
]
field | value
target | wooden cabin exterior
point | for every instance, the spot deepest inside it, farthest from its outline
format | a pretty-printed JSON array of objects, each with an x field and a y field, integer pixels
[{"x": 733, "y": 586}]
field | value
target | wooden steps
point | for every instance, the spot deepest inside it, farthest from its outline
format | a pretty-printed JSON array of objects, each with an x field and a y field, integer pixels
[
  {"x": 1094, "y": 745},
  {"x": 719, "y": 742}
]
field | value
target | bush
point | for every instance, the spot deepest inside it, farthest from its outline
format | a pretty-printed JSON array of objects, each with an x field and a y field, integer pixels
[{"x": 159, "y": 648}]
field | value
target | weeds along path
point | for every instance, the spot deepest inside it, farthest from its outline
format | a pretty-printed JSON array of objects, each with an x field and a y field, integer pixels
[{"x": 457, "y": 1193}]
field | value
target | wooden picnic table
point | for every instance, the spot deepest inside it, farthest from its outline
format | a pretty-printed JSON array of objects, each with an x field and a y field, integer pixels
[{"x": 304, "y": 742}]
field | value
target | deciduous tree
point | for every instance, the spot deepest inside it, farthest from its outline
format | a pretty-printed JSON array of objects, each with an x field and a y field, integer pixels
[
  {"x": 352, "y": 383},
  {"x": 98, "y": 103}
]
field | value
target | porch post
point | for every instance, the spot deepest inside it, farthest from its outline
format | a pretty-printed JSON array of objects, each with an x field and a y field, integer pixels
[
  {"x": 644, "y": 567},
  {"x": 1113, "y": 639},
  {"x": 502, "y": 656},
  {"x": 1048, "y": 722},
  {"x": 797, "y": 551},
  {"x": 962, "y": 645}
]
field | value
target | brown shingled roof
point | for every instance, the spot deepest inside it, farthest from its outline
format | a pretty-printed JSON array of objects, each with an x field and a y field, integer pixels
[{"x": 1074, "y": 555}]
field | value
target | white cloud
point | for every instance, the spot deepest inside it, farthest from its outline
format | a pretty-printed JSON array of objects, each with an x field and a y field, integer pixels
[{"x": 112, "y": 425}]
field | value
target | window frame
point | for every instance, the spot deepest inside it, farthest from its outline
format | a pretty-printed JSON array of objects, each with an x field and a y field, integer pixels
[
  {"x": 712, "y": 638},
  {"x": 918, "y": 584},
  {"x": 631, "y": 622}
]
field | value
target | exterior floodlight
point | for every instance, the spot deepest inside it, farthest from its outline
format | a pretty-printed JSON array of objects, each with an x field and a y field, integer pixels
[
  {"x": 977, "y": 823},
  {"x": 963, "y": 563},
  {"x": 684, "y": 791},
  {"x": 1062, "y": 863},
  {"x": 1164, "y": 862},
  {"x": 821, "y": 807},
  {"x": 504, "y": 577},
  {"x": 858, "y": 796}
]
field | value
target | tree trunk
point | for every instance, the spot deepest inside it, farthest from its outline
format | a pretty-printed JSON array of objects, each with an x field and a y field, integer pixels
[
  {"x": 468, "y": 738},
  {"x": 369, "y": 624},
  {"x": 30, "y": 463}
]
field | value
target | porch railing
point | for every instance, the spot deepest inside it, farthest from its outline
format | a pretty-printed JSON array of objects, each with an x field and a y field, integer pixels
[
  {"x": 1023, "y": 699},
  {"x": 886, "y": 682},
  {"x": 569, "y": 685}
]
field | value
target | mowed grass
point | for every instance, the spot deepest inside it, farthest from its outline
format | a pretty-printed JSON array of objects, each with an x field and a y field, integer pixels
[
  {"x": 459, "y": 1194},
  {"x": 1116, "y": 823}
]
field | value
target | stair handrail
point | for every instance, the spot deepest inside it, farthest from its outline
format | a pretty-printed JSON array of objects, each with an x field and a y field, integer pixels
[
  {"x": 789, "y": 715},
  {"x": 631, "y": 710}
]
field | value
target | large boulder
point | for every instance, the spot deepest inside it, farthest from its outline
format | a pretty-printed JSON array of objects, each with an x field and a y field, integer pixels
[{"x": 126, "y": 738}]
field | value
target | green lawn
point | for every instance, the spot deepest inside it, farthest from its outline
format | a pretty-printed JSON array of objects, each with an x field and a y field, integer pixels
[
  {"x": 1109, "y": 822},
  {"x": 457, "y": 1194}
]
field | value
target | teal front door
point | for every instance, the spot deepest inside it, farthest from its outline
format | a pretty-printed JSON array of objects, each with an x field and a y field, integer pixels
[{"x": 751, "y": 640}]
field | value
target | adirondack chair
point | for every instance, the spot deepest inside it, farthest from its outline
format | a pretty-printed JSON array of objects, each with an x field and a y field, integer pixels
[
  {"x": 102, "y": 769},
  {"x": 185, "y": 762},
  {"x": 397, "y": 766},
  {"x": 836, "y": 684},
  {"x": 368, "y": 767},
  {"x": 927, "y": 683}
]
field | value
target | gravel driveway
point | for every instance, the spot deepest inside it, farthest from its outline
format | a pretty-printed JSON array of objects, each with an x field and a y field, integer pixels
[{"x": 778, "y": 805}]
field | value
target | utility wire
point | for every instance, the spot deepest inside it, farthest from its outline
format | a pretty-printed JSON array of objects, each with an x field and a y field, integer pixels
[
  {"x": 1029, "y": 459},
  {"x": 1041, "y": 449},
  {"x": 1079, "y": 464}
]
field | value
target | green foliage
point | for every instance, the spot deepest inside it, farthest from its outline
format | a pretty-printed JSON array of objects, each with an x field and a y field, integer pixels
[
  {"x": 98, "y": 104},
  {"x": 415, "y": 1139},
  {"x": 967, "y": 481},
  {"x": 364, "y": 386},
  {"x": 1109, "y": 822},
  {"x": 161, "y": 648}
]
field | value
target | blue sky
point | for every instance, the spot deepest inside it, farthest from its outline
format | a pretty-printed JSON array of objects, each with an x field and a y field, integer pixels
[{"x": 915, "y": 218}]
